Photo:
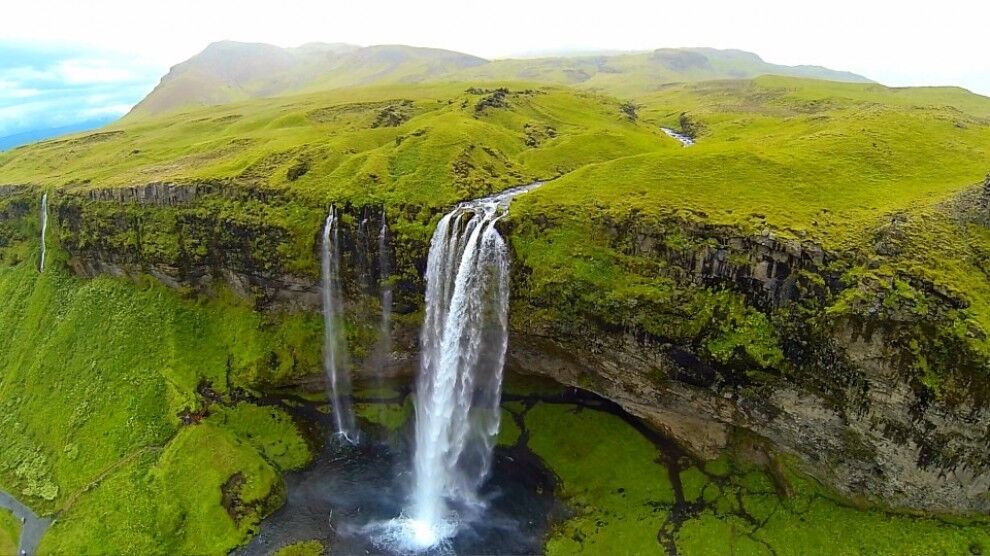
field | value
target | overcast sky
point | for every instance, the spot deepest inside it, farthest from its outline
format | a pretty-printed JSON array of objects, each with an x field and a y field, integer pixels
[{"x": 62, "y": 60}]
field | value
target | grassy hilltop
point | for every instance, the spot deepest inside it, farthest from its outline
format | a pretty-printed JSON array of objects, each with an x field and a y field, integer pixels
[
  {"x": 423, "y": 145},
  {"x": 98, "y": 378}
]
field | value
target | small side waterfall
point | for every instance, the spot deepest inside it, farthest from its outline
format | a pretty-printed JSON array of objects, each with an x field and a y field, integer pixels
[
  {"x": 684, "y": 140},
  {"x": 44, "y": 229},
  {"x": 361, "y": 261},
  {"x": 463, "y": 345},
  {"x": 385, "y": 287},
  {"x": 335, "y": 360}
]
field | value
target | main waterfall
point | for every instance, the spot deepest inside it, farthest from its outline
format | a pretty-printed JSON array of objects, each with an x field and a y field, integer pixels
[
  {"x": 335, "y": 363},
  {"x": 463, "y": 345}
]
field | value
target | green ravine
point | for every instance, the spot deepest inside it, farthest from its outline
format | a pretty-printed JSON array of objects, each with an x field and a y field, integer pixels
[{"x": 182, "y": 266}]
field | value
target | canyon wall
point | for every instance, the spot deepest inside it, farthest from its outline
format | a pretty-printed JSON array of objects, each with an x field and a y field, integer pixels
[{"x": 847, "y": 402}]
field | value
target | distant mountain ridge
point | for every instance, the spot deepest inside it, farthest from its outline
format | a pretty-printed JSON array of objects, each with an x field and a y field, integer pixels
[
  {"x": 231, "y": 71},
  {"x": 30, "y": 136}
]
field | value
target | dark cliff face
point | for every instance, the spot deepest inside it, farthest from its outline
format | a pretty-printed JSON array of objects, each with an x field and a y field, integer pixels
[
  {"x": 762, "y": 267},
  {"x": 196, "y": 237},
  {"x": 201, "y": 238},
  {"x": 16, "y": 206},
  {"x": 844, "y": 400},
  {"x": 848, "y": 400}
]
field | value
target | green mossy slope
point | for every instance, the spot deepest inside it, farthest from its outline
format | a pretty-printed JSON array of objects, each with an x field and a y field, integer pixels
[
  {"x": 305, "y": 548},
  {"x": 97, "y": 380}
]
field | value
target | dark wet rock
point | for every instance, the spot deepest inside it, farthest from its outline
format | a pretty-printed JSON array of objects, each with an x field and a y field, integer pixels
[
  {"x": 762, "y": 267},
  {"x": 689, "y": 126},
  {"x": 629, "y": 110},
  {"x": 238, "y": 509},
  {"x": 202, "y": 238},
  {"x": 297, "y": 170},
  {"x": 160, "y": 193},
  {"x": 393, "y": 115},
  {"x": 12, "y": 190},
  {"x": 984, "y": 201},
  {"x": 493, "y": 101}
]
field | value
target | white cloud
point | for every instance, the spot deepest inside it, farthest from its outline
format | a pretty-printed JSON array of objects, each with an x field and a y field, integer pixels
[
  {"x": 22, "y": 93},
  {"x": 14, "y": 90},
  {"x": 902, "y": 43},
  {"x": 110, "y": 53},
  {"x": 78, "y": 72},
  {"x": 105, "y": 110},
  {"x": 47, "y": 88},
  {"x": 19, "y": 75}
]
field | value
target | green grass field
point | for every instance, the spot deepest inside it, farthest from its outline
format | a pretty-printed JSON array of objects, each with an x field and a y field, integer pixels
[
  {"x": 442, "y": 150},
  {"x": 809, "y": 160}
]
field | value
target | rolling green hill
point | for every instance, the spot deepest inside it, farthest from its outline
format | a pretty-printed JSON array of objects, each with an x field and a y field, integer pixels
[{"x": 428, "y": 145}]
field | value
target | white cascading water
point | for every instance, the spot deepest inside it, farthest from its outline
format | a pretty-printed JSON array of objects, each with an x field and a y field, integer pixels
[
  {"x": 335, "y": 363},
  {"x": 683, "y": 139},
  {"x": 463, "y": 345},
  {"x": 384, "y": 270},
  {"x": 44, "y": 229}
]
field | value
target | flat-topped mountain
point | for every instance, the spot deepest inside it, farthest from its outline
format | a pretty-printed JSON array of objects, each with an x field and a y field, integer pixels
[{"x": 230, "y": 71}]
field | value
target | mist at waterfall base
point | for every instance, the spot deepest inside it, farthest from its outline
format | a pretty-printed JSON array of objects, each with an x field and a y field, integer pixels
[{"x": 349, "y": 494}]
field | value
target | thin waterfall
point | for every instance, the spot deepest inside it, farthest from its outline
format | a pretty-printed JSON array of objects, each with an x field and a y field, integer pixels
[
  {"x": 384, "y": 346},
  {"x": 335, "y": 360},
  {"x": 463, "y": 344},
  {"x": 683, "y": 139},
  {"x": 44, "y": 229},
  {"x": 361, "y": 261}
]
